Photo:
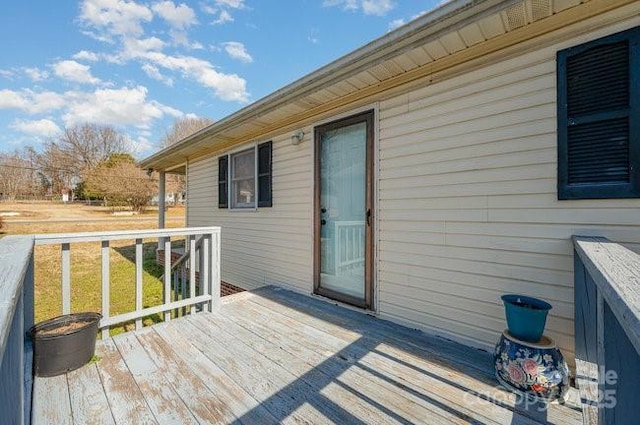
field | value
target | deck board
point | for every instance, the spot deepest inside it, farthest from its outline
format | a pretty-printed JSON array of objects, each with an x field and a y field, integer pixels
[{"x": 273, "y": 356}]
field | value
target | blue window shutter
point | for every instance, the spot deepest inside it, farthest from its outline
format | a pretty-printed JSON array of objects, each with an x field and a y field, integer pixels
[
  {"x": 223, "y": 182},
  {"x": 597, "y": 114},
  {"x": 264, "y": 174}
]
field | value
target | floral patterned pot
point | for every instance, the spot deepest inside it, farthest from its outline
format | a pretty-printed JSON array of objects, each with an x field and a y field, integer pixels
[{"x": 535, "y": 370}]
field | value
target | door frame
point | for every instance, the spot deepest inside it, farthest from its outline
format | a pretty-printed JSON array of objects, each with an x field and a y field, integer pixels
[{"x": 367, "y": 116}]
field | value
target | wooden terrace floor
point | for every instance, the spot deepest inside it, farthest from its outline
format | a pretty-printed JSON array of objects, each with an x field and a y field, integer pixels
[{"x": 272, "y": 356}]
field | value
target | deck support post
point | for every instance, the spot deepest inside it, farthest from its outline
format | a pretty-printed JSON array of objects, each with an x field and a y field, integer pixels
[{"x": 162, "y": 184}]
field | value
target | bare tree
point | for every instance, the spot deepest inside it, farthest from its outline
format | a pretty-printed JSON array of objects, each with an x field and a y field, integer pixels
[
  {"x": 184, "y": 127},
  {"x": 120, "y": 182},
  {"x": 65, "y": 162},
  {"x": 17, "y": 177}
]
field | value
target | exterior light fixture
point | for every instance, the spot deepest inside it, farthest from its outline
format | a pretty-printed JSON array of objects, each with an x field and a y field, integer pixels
[{"x": 297, "y": 137}]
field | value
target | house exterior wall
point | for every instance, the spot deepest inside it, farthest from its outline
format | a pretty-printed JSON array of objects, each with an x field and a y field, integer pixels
[
  {"x": 268, "y": 245},
  {"x": 468, "y": 208},
  {"x": 466, "y": 204}
]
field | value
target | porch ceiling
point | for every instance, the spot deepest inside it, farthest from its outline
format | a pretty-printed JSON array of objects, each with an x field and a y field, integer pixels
[{"x": 455, "y": 33}]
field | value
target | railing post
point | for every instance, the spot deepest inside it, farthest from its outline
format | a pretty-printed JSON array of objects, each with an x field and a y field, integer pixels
[
  {"x": 215, "y": 272},
  {"x": 28, "y": 321},
  {"x": 66, "y": 278},
  {"x": 192, "y": 270},
  {"x": 106, "y": 296},
  {"x": 139, "y": 271},
  {"x": 205, "y": 279},
  {"x": 167, "y": 276}
]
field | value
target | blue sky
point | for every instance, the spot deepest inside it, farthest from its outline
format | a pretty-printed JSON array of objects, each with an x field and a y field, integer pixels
[{"x": 139, "y": 65}]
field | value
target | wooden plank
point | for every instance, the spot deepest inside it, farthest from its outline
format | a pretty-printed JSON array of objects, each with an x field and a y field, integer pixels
[
  {"x": 231, "y": 394},
  {"x": 621, "y": 374},
  {"x": 333, "y": 370},
  {"x": 276, "y": 388},
  {"x": 106, "y": 286},
  {"x": 66, "y": 278},
  {"x": 444, "y": 392},
  {"x": 205, "y": 406},
  {"x": 616, "y": 272},
  {"x": 128, "y": 404},
  {"x": 167, "y": 276},
  {"x": 51, "y": 404},
  {"x": 167, "y": 406},
  {"x": 62, "y": 238},
  {"x": 345, "y": 323},
  {"x": 192, "y": 270},
  {"x": 587, "y": 383},
  {"x": 89, "y": 404},
  {"x": 139, "y": 276},
  {"x": 126, "y": 317}
]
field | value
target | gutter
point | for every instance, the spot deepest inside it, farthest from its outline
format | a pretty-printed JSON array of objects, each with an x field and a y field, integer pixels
[{"x": 396, "y": 42}]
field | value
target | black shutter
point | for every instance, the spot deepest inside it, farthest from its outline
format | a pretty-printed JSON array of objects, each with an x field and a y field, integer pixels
[
  {"x": 595, "y": 138},
  {"x": 264, "y": 174},
  {"x": 223, "y": 182}
]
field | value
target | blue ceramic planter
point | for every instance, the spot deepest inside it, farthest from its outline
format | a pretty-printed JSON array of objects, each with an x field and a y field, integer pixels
[
  {"x": 534, "y": 370},
  {"x": 526, "y": 316}
]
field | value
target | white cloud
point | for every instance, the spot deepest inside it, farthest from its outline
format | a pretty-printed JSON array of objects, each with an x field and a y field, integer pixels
[
  {"x": 41, "y": 128},
  {"x": 86, "y": 56},
  {"x": 368, "y": 7},
  {"x": 74, "y": 71},
  {"x": 31, "y": 102},
  {"x": 114, "y": 17},
  {"x": 238, "y": 51},
  {"x": 223, "y": 18},
  {"x": 36, "y": 74},
  {"x": 225, "y": 86},
  {"x": 233, "y": 4},
  {"x": 117, "y": 107},
  {"x": 6, "y": 73},
  {"x": 396, "y": 23},
  {"x": 377, "y": 7},
  {"x": 10, "y": 99},
  {"x": 154, "y": 72},
  {"x": 180, "y": 16},
  {"x": 222, "y": 9}
]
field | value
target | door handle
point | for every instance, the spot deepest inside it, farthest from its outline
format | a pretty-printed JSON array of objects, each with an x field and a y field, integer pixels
[
  {"x": 323, "y": 210},
  {"x": 323, "y": 222},
  {"x": 368, "y": 216}
]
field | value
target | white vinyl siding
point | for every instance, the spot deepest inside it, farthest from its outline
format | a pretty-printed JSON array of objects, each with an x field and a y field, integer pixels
[
  {"x": 468, "y": 208},
  {"x": 267, "y": 245}
]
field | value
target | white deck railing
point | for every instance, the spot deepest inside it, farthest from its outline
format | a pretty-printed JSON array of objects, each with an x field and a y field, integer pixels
[{"x": 202, "y": 246}]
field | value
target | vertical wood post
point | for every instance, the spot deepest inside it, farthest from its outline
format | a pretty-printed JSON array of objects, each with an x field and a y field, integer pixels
[
  {"x": 161, "y": 204},
  {"x": 167, "y": 276},
  {"x": 192, "y": 270},
  {"x": 205, "y": 269},
  {"x": 215, "y": 272},
  {"x": 106, "y": 296},
  {"x": 66, "y": 278},
  {"x": 139, "y": 271}
]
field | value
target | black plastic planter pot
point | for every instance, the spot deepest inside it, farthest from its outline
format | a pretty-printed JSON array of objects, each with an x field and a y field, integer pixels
[{"x": 64, "y": 343}]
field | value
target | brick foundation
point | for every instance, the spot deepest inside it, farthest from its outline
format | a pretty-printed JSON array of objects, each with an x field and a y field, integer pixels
[{"x": 225, "y": 288}]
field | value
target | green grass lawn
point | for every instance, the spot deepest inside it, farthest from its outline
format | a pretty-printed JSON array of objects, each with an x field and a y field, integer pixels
[
  {"x": 86, "y": 269},
  {"x": 86, "y": 275}
]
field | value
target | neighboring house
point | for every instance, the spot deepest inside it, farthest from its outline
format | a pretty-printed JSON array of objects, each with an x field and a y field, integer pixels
[{"x": 434, "y": 169}]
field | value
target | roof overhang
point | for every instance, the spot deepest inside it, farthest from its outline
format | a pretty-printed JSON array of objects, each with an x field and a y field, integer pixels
[{"x": 455, "y": 33}]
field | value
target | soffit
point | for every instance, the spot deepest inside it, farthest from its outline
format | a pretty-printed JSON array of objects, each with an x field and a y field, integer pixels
[{"x": 423, "y": 43}]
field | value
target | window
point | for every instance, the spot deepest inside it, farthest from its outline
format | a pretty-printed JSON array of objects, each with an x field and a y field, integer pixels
[
  {"x": 244, "y": 178},
  {"x": 598, "y": 119}
]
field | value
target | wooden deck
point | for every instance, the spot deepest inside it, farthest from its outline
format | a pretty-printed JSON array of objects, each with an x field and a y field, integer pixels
[{"x": 272, "y": 356}]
